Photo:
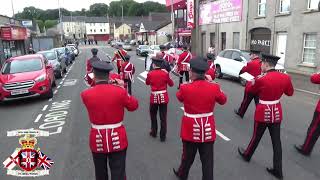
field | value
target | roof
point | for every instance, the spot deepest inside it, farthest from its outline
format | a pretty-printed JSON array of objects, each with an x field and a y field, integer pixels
[
  {"x": 97, "y": 19},
  {"x": 26, "y": 57},
  {"x": 73, "y": 18},
  {"x": 155, "y": 25}
]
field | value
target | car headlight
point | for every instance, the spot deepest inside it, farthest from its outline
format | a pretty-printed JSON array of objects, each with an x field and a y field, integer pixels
[{"x": 41, "y": 78}]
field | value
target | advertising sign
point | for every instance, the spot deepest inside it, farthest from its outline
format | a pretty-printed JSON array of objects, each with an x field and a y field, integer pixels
[
  {"x": 27, "y": 23},
  {"x": 13, "y": 33},
  {"x": 223, "y": 11},
  {"x": 190, "y": 14}
]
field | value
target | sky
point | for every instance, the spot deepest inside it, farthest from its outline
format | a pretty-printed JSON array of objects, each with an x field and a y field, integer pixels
[{"x": 6, "y": 8}]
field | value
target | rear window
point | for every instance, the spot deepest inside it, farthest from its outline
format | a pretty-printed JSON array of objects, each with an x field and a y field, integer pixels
[
  {"x": 221, "y": 54},
  {"x": 49, "y": 55},
  {"x": 20, "y": 66},
  {"x": 228, "y": 55}
]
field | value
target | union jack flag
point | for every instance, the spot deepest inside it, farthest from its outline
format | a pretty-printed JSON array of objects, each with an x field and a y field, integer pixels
[{"x": 44, "y": 161}]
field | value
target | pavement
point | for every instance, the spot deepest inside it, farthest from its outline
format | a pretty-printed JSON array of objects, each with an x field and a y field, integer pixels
[{"x": 65, "y": 117}]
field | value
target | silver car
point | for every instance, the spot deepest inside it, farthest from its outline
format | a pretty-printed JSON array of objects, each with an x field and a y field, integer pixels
[{"x": 55, "y": 60}]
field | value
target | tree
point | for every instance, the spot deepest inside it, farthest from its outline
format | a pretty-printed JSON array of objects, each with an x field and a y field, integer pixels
[
  {"x": 115, "y": 9},
  {"x": 41, "y": 25},
  {"x": 50, "y": 23},
  {"x": 98, "y": 9}
]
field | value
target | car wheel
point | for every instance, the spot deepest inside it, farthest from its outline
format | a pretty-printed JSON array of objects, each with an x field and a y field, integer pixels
[
  {"x": 65, "y": 70},
  {"x": 49, "y": 94},
  {"x": 60, "y": 73},
  {"x": 218, "y": 72},
  {"x": 243, "y": 81},
  {"x": 54, "y": 84}
]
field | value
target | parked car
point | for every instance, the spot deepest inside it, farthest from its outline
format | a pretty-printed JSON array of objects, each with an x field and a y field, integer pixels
[
  {"x": 67, "y": 56},
  {"x": 113, "y": 43},
  {"x": 142, "y": 50},
  {"x": 59, "y": 65},
  {"x": 74, "y": 49},
  {"x": 26, "y": 76},
  {"x": 127, "y": 47},
  {"x": 133, "y": 42},
  {"x": 71, "y": 52},
  {"x": 231, "y": 61},
  {"x": 118, "y": 44}
]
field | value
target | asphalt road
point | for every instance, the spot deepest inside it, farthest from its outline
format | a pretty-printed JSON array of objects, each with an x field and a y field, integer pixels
[{"x": 148, "y": 159}]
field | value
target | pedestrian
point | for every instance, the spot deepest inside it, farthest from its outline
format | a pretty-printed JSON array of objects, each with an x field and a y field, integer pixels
[
  {"x": 253, "y": 68},
  {"x": 119, "y": 56},
  {"x": 211, "y": 73},
  {"x": 85, "y": 42},
  {"x": 158, "y": 79},
  {"x": 105, "y": 104},
  {"x": 269, "y": 88},
  {"x": 127, "y": 70},
  {"x": 198, "y": 123},
  {"x": 96, "y": 42},
  {"x": 183, "y": 65},
  {"x": 313, "y": 132}
]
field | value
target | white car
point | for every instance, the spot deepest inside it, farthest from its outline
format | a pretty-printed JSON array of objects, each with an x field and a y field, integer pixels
[
  {"x": 230, "y": 62},
  {"x": 127, "y": 47},
  {"x": 74, "y": 49}
]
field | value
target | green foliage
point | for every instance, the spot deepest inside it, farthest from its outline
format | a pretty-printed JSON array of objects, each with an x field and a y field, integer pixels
[
  {"x": 50, "y": 23},
  {"x": 41, "y": 25}
]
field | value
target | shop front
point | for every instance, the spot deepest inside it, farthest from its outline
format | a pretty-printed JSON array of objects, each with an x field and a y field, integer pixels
[
  {"x": 260, "y": 39},
  {"x": 12, "y": 41}
]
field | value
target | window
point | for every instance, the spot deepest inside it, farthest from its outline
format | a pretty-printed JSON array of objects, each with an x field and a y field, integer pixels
[
  {"x": 262, "y": 7},
  {"x": 228, "y": 55},
  {"x": 313, "y": 4},
  {"x": 235, "y": 55},
  {"x": 212, "y": 39},
  {"x": 223, "y": 40},
  {"x": 284, "y": 6},
  {"x": 100, "y": 30},
  {"x": 309, "y": 48},
  {"x": 128, "y": 31},
  {"x": 90, "y": 30},
  {"x": 236, "y": 40},
  {"x": 94, "y": 30}
]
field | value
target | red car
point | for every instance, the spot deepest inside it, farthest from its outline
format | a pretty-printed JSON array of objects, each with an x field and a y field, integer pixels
[{"x": 26, "y": 76}]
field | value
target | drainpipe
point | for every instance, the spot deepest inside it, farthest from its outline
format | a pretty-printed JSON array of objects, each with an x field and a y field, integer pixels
[
  {"x": 247, "y": 45},
  {"x": 274, "y": 27}
]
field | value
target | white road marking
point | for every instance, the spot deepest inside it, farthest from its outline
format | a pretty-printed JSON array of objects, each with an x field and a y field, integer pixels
[
  {"x": 45, "y": 108},
  {"x": 142, "y": 59},
  {"x": 61, "y": 82},
  {"x": 222, "y": 136},
  {"x": 50, "y": 100},
  {"x": 55, "y": 92},
  {"x": 218, "y": 132},
  {"x": 38, "y": 118},
  {"x": 58, "y": 87},
  {"x": 70, "y": 82},
  {"x": 144, "y": 74},
  {"x": 141, "y": 80},
  {"x": 302, "y": 90}
]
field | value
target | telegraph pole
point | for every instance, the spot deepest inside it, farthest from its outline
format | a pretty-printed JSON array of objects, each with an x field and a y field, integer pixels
[
  {"x": 173, "y": 21},
  {"x": 13, "y": 16},
  {"x": 60, "y": 19}
]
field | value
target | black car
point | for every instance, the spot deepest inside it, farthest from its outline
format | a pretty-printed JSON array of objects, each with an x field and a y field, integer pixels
[{"x": 142, "y": 50}]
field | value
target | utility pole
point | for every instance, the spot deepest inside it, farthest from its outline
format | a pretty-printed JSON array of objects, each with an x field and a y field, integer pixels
[
  {"x": 173, "y": 21},
  {"x": 60, "y": 19},
  {"x": 13, "y": 16}
]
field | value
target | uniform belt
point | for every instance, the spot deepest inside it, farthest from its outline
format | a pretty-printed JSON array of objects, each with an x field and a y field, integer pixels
[
  {"x": 198, "y": 115},
  {"x": 106, "y": 126},
  {"x": 158, "y": 92},
  {"x": 269, "y": 102},
  {"x": 185, "y": 63}
]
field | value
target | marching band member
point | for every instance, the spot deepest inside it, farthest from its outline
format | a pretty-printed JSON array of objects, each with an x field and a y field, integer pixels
[
  {"x": 105, "y": 105},
  {"x": 183, "y": 64},
  {"x": 254, "y": 68},
  {"x": 158, "y": 79},
  {"x": 127, "y": 70},
  {"x": 269, "y": 88},
  {"x": 211, "y": 73},
  {"x": 119, "y": 56},
  {"x": 198, "y": 124}
]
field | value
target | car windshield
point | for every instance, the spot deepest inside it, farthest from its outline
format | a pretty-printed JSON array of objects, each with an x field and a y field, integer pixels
[
  {"x": 246, "y": 55},
  {"x": 156, "y": 48},
  {"x": 20, "y": 66},
  {"x": 61, "y": 50},
  {"x": 49, "y": 55},
  {"x": 144, "y": 47}
]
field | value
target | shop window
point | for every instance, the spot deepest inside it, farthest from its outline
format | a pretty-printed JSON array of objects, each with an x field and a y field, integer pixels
[
  {"x": 313, "y": 4},
  {"x": 309, "y": 48},
  {"x": 262, "y": 7},
  {"x": 212, "y": 39},
  {"x": 284, "y": 6}
]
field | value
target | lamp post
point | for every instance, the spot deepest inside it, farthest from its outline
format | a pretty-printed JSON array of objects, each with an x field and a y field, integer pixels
[
  {"x": 60, "y": 19},
  {"x": 12, "y": 9},
  {"x": 173, "y": 21}
]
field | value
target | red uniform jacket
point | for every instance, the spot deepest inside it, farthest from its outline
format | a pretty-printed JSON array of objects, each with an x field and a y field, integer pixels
[
  {"x": 183, "y": 61},
  {"x": 89, "y": 66},
  {"x": 269, "y": 88},
  {"x": 118, "y": 58},
  {"x": 212, "y": 70},
  {"x": 159, "y": 79},
  {"x": 127, "y": 71},
  {"x": 105, "y": 104},
  {"x": 254, "y": 68},
  {"x": 199, "y": 99},
  {"x": 167, "y": 57},
  {"x": 315, "y": 78},
  {"x": 112, "y": 76}
]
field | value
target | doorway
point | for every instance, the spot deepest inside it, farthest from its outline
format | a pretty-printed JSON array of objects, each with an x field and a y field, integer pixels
[{"x": 281, "y": 47}]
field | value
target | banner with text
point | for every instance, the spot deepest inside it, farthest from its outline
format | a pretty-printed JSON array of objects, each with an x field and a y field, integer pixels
[
  {"x": 223, "y": 11},
  {"x": 190, "y": 13}
]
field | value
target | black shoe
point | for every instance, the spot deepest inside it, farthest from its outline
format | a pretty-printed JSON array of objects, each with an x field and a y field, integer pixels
[
  {"x": 152, "y": 134},
  {"x": 237, "y": 113},
  {"x": 162, "y": 139},
  {"x": 301, "y": 151},
  {"x": 176, "y": 173},
  {"x": 241, "y": 153},
  {"x": 275, "y": 173}
]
